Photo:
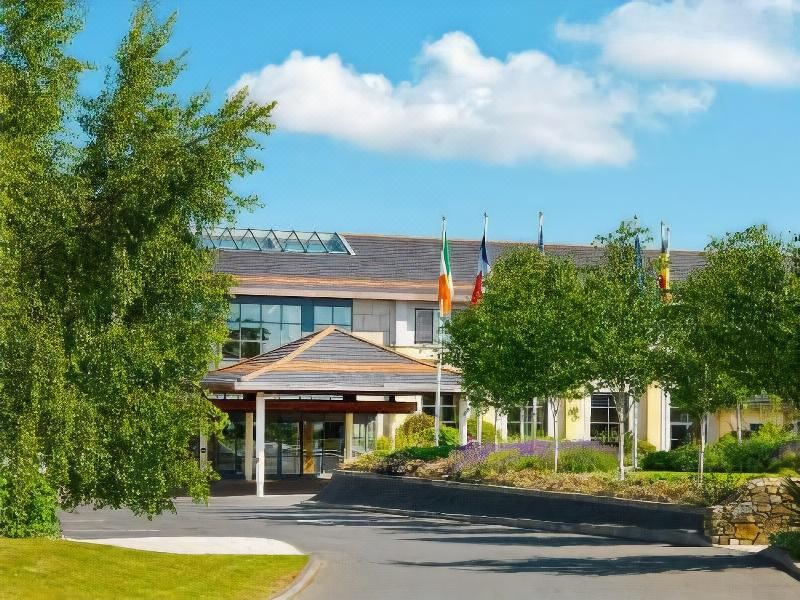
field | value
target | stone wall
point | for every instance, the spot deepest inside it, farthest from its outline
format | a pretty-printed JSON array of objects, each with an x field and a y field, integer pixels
[{"x": 759, "y": 509}]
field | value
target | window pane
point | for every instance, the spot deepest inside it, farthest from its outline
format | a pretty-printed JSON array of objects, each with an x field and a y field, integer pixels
[
  {"x": 250, "y": 349},
  {"x": 271, "y": 344},
  {"x": 342, "y": 315},
  {"x": 428, "y": 410},
  {"x": 599, "y": 415},
  {"x": 323, "y": 315},
  {"x": 271, "y": 313},
  {"x": 271, "y": 332},
  {"x": 251, "y": 331},
  {"x": 233, "y": 330},
  {"x": 230, "y": 350},
  {"x": 291, "y": 314},
  {"x": 602, "y": 400},
  {"x": 290, "y": 333},
  {"x": 423, "y": 327},
  {"x": 234, "y": 312},
  {"x": 448, "y": 413},
  {"x": 251, "y": 312}
]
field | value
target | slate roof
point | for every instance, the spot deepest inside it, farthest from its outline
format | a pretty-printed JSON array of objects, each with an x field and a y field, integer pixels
[
  {"x": 391, "y": 267},
  {"x": 332, "y": 360}
]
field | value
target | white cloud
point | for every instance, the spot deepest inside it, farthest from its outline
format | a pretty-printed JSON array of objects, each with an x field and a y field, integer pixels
[
  {"x": 671, "y": 100},
  {"x": 465, "y": 105},
  {"x": 747, "y": 41}
]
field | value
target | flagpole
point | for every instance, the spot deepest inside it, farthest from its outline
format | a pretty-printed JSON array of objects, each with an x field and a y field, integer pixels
[{"x": 437, "y": 410}]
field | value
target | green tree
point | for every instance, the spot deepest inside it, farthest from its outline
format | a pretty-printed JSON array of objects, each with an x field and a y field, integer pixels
[
  {"x": 730, "y": 325},
  {"x": 111, "y": 308},
  {"x": 626, "y": 304},
  {"x": 528, "y": 337}
]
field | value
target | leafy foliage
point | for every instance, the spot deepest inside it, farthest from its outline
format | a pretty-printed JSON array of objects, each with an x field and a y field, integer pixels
[
  {"x": 760, "y": 453},
  {"x": 487, "y": 430},
  {"x": 626, "y": 304},
  {"x": 792, "y": 488},
  {"x": 727, "y": 329},
  {"x": 528, "y": 337},
  {"x": 110, "y": 306}
]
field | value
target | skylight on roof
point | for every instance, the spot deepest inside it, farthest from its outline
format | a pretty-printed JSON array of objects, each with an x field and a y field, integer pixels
[{"x": 273, "y": 240}]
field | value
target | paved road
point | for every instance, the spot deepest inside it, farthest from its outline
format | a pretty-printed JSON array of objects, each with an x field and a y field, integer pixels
[{"x": 374, "y": 556}]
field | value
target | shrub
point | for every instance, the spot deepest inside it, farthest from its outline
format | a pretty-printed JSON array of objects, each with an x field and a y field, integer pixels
[
  {"x": 789, "y": 541},
  {"x": 645, "y": 448},
  {"x": 487, "y": 430},
  {"x": 792, "y": 488},
  {"x": 684, "y": 458},
  {"x": 415, "y": 424},
  {"x": 383, "y": 444},
  {"x": 33, "y": 513},
  {"x": 425, "y": 453},
  {"x": 586, "y": 460}
]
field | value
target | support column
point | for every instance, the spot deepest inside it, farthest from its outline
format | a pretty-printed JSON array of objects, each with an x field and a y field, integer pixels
[
  {"x": 260, "y": 456},
  {"x": 463, "y": 415},
  {"x": 249, "y": 446},
  {"x": 348, "y": 436},
  {"x": 379, "y": 427}
]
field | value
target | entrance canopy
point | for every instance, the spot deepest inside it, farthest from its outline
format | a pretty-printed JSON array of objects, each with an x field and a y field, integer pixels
[{"x": 331, "y": 362}]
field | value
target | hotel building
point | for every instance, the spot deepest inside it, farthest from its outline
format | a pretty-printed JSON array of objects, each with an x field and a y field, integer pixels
[{"x": 332, "y": 343}]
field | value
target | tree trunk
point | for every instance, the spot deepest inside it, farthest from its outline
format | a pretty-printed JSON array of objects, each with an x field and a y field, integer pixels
[
  {"x": 479, "y": 427},
  {"x": 702, "y": 459},
  {"x": 635, "y": 443},
  {"x": 739, "y": 422},
  {"x": 621, "y": 412},
  {"x": 554, "y": 409}
]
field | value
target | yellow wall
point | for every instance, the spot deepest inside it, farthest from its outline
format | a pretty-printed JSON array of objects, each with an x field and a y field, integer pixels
[
  {"x": 761, "y": 413},
  {"x": 573, "y": 419},
  {"x": 651, "y": 409}
]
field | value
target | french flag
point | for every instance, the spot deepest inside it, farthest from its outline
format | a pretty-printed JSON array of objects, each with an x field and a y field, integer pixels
[{"x": 483, "y": 266}]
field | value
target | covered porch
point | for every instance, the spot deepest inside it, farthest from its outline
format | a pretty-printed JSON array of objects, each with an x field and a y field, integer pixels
[{"x": 306, "y": 406}]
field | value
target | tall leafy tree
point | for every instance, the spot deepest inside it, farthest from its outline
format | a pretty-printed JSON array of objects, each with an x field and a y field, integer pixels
[
  {"x": 114, "y": 307},
  {"x": 745, "y": 292},
  {"x": 732, "y": 325},
  {"x": 626, "y": 304},
  {"x": 528, "y": 337}
]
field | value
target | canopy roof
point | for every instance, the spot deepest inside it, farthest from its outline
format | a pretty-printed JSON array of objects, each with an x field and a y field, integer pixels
[{"x": 332, "y": 361}]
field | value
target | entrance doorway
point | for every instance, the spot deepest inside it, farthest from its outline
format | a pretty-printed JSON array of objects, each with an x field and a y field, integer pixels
[
  {"x": 282, "y": 449},
  {"x": 226, "y": 451}
]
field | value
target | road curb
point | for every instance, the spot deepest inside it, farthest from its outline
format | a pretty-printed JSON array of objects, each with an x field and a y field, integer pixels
[
  {"x": 629, "y": 532},
  {"x": 302, "y": 580},
  {"x": 782, "y": 560}
]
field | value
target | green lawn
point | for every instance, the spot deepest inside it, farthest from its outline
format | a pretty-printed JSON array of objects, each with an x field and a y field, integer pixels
[{"x": 42, "y": 568}]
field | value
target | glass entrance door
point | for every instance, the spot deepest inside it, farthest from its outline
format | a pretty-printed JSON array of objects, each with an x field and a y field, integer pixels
[
  {"x": 282, "y": 449},
  {"x": 226, "y": 451}
]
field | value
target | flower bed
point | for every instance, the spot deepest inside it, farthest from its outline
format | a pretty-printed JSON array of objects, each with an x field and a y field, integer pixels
[{"x": 586, "y": 467}]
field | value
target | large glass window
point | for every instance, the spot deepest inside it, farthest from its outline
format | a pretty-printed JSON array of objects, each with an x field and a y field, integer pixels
[
  {"x": 256, "y": 328},
  {"x": 449, "y": 411},
  {"x": 363, "y": 433},
  {"x": 325, "y": 316},
  {"x": 603, "y": 422},
  {"x": 427, "y": 326},
  {"x": 680, "y": 427},
  {"x": 529, "y": 415}
]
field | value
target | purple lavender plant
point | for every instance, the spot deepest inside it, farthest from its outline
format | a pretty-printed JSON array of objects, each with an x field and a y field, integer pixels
[{"x": 472, "y": 454}]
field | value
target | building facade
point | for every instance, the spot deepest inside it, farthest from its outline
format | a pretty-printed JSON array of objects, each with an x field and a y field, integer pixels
[{"x": 382, "y": 291}]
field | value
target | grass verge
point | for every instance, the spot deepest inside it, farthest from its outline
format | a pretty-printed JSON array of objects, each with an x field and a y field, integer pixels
[{"x": 54, "y": 569}]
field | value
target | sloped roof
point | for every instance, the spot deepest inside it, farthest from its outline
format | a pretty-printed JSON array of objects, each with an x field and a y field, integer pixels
[
  {"x": 392, "y": 267},
  {"x": 332, "y": 360}
]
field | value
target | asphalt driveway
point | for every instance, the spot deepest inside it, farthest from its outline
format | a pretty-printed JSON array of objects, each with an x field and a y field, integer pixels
[{"x": 376, "y": 556}]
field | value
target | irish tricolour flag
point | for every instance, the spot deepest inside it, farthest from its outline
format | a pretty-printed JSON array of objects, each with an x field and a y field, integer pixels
[{"x": 445, "y": 277}]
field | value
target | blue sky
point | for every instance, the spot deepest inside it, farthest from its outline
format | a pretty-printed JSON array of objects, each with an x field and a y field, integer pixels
[{"x": 590, "y": 111}]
